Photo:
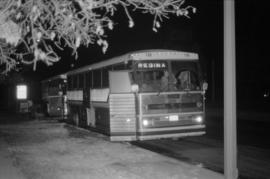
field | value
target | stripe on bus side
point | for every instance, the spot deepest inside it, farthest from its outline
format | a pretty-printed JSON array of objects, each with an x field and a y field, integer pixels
[
  {"x": 156, "y": 132},
  {"x": 169, "y": 132}
]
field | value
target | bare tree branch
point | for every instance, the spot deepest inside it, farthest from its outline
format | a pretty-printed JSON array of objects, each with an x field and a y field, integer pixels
[{"x": 38, "y": 27}]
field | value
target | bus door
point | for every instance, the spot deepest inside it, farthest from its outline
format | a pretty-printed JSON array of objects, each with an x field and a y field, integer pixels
[{"x": 122, "y": 107}]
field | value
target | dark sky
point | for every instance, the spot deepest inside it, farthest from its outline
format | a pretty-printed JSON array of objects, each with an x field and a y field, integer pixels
[
  {"x": 252, "y": 35},
  {"x": 252, "y": 62}
]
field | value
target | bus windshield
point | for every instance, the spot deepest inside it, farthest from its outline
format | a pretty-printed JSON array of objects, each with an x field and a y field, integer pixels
[{"x": 182, "y": 76}]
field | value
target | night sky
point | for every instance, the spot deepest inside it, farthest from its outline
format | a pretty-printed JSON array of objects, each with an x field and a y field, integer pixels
[
  {"x": 202, "y": 33},
  {"x": 252, "y": 62}
]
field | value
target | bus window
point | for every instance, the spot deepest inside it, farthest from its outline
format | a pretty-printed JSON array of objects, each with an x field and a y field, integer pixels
[
  {"x": 187, "y": 74},
  {"x": 84, "y": 80},
  {"x": 168, "y": 81},
  {"x": 69, "y": 82},
  {"x": 148, "y": 81},
  {"x": 183, "y": 77},
  {"x": 97, "y": 79},
  {"x": 81, "y": 80},
  {"x": 188, "y": 80},
  {"x": 89, "y": 79},
  {"x": 105, "y": 78},
  {"x": 75, "y": 82}
]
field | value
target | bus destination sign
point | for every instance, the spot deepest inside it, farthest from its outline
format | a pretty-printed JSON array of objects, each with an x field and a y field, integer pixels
[{"x": 151, "y": 65}]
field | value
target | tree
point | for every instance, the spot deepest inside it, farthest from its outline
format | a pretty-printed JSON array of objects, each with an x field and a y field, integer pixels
[{"x": 32, "y": 30}]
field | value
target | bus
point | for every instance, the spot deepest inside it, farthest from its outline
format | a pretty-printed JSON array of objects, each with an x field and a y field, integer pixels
[
  {"x": 141, "y": 95},
  {"x": 54, "y": 96}
]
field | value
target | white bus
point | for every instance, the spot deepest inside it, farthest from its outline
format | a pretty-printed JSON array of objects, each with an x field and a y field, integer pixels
[{"x": 141, "y": 95}]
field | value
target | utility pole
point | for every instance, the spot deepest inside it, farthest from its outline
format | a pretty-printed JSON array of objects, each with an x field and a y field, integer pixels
[{"x": 230, "y": 142}]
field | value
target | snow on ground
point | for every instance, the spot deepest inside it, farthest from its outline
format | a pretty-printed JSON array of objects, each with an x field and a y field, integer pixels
[
  {"x": 47, "y": 149},
  {"x": 7, "y": 169}
]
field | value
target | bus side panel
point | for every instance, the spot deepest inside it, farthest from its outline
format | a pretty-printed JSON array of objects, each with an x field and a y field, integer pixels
[
  {"x": 102, "y": 120},
  {"x": 122, "y": 117}
]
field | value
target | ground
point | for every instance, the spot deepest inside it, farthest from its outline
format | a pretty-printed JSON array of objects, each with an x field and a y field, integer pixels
[{"x": 49, "y": 149}]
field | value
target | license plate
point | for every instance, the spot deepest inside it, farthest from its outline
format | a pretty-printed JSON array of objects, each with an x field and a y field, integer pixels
[{"x": 173, "y": 118}]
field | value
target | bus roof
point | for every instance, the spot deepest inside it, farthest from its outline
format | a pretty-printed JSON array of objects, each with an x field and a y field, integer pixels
[
  {"x": 163, "y": 54},
  {"x": 153, "y": 54}
]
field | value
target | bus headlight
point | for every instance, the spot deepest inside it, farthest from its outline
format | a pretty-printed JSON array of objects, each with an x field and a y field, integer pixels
[
  {"x": 198, "y": 119},
  {"x": 145, "y": 122}
]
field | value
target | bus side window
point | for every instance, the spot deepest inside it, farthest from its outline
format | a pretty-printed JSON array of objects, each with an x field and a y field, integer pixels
[
  {"x": 84, "y": 80},
  {"x": 69, "y": 82},
  {"x": 90, "y": 76},
  {"x": 88, "y": 79},
  {"x": 81, "y": 80},
  {"x": 96, "y": 78},
  {"x": 74, "y": 82},
  {"x": 105, "y": 78}
]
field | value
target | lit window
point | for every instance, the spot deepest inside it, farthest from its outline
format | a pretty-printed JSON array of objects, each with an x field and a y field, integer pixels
[{"x": 21, "y": 92}]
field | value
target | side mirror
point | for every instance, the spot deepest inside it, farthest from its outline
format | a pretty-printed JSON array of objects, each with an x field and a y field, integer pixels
[{"x": 204, "y": 86}]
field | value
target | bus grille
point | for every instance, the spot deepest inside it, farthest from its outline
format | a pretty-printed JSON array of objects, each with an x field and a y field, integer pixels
[
  {"x": 171, "y": 106},
  {"x": 171, "y": 103}
]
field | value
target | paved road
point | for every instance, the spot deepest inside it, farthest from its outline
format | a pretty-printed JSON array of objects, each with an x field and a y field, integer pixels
[
  {"x": 7, "y": 168},
  {"x": 207, "y": 150},
  {"x": 253, "y": 163},
  {"x": 252, "y": 130}
]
